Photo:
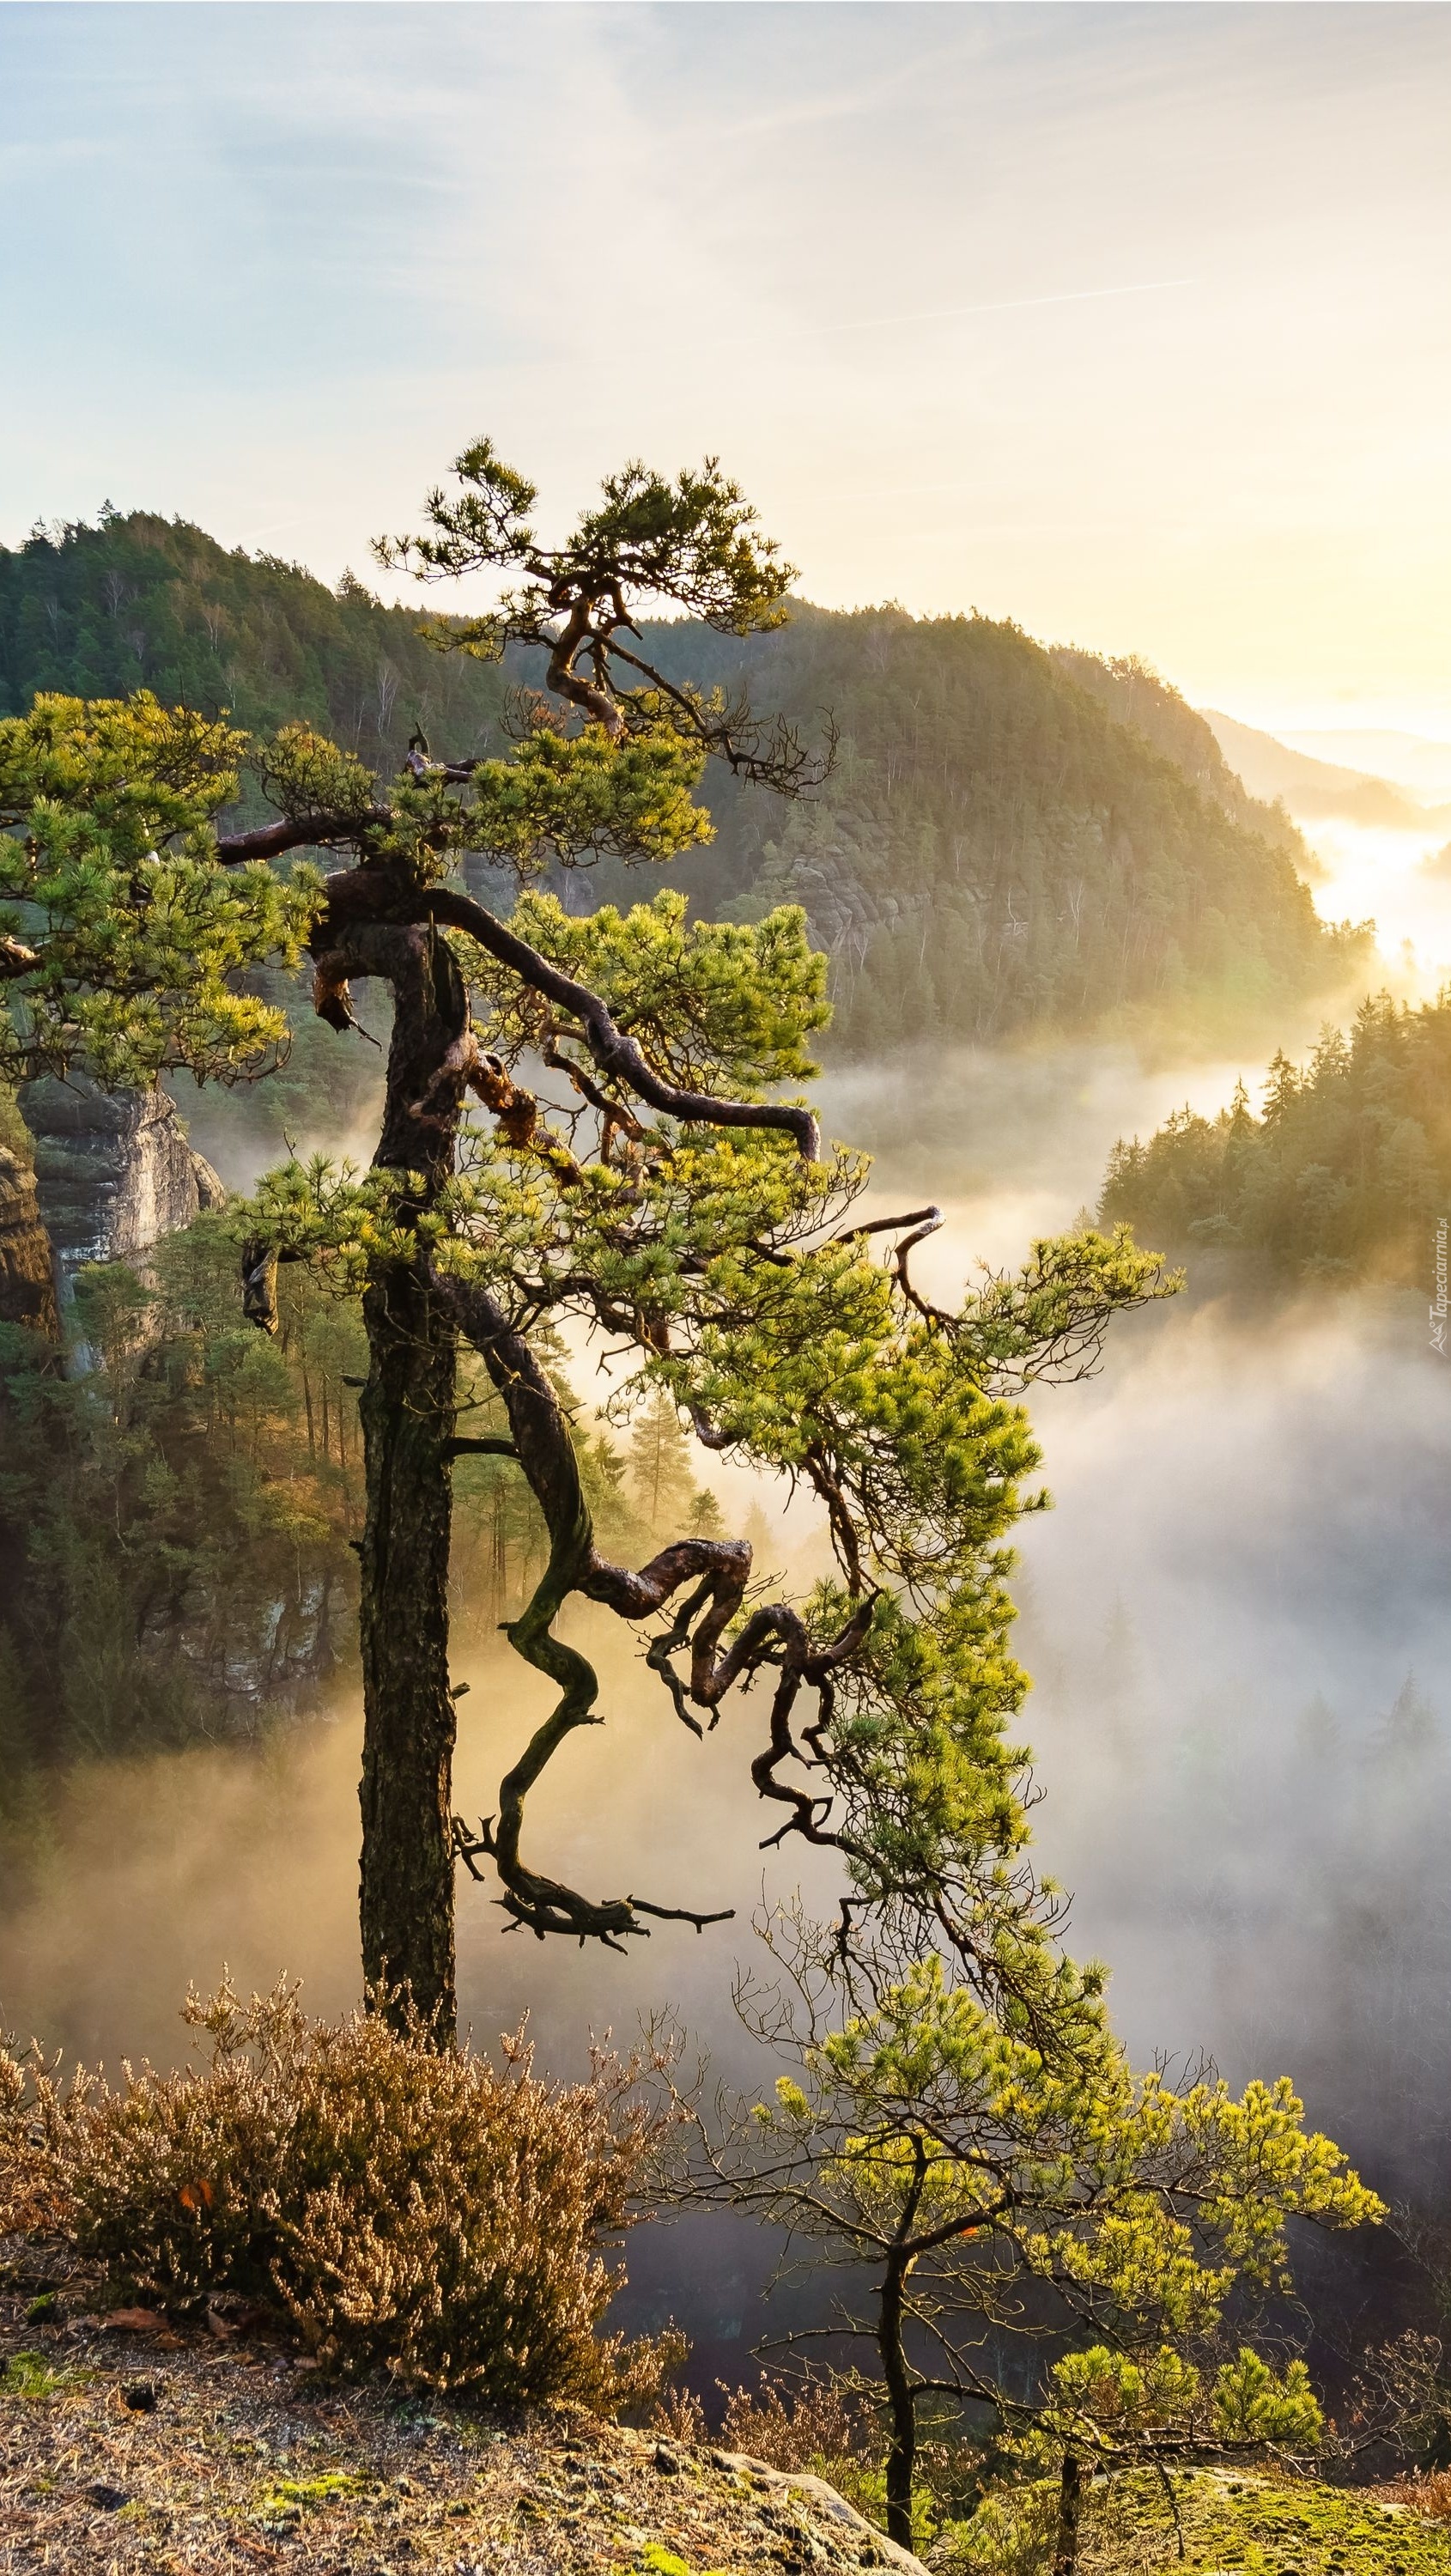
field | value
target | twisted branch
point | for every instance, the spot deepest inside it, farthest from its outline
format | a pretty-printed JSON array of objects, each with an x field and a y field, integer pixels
[
  {"x": 383, "y": 895},
  {"x": 717, "y": 1572}
]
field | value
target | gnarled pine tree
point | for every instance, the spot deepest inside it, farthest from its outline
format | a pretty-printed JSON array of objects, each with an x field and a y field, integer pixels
[{"x": 649, "y": 1183}]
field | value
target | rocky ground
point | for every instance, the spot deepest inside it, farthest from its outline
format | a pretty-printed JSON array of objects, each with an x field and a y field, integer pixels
[
  {"x": 129, "y": 2447},
  {"x": 132, "y": 2447}
]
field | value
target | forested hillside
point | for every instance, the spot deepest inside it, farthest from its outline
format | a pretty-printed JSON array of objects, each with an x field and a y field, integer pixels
[
  {"x": 998, "y": 848},
  {"x": 1345, "y": 1173},
  {"x": 1009, "y": 838},
  {"x": 1133, "y": 694},
  {"x": 145, "y": 602}
]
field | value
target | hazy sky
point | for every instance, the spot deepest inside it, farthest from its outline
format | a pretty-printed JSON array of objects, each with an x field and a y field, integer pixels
[{"x": 1131, "y": 323}]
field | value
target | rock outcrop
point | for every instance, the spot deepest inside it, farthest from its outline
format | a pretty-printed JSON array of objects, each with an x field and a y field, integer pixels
[
  {"x": 27, "y": 1287},
  {"x": 113, "y": 1170},
  {"x": 551, "y": 2492}
]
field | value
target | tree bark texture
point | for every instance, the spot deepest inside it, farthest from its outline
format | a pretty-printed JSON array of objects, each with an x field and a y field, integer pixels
[
  {"x": 902, "y": 2455},
  {"x": 406, "y": 1879},
  {"x": 1070, "y": 2510},
  {"x": 407, "y": 1410}
]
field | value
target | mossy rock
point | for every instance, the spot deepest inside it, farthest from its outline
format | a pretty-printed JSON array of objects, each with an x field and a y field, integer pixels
[{"x": 1232, "y": 2525}]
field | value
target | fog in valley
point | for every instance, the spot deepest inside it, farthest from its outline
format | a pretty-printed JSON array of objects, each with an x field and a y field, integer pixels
[
  {"x": 1236, "y": 1617},
  {"x": 1400, "y": 876}
]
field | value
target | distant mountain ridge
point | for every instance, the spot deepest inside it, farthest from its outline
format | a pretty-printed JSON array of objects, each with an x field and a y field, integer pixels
[
  {"x": 1011, "y": 838},
  {"x": 1317, "y": 789},
  {"x": 1419, "y": 763}
]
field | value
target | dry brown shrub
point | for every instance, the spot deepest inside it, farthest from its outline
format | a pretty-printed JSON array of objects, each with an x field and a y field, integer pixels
[
  {"x": 1427, "y": 2491},
  {"x": 31, "y": 2192},
  {"x": 790, "y": 2426},
  {"x": 412, "y": 2208},
  {"x": 679, "y": 2414}
]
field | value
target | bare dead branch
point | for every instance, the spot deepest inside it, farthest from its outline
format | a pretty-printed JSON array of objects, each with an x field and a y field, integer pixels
[{"x": 681, "y": 1913}]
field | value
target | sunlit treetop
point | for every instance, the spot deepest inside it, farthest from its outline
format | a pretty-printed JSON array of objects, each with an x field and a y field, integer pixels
[
  {"x": 121, "y": 938},
  {"x": 693, "y": 544}
]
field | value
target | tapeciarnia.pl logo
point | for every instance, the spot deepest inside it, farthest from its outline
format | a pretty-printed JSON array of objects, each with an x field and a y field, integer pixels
[{"x": 1438, "y": 1309}]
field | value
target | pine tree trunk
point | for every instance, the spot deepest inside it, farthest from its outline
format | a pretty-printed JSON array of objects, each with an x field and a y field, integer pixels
[
  {"x": 407, "y": 1411},
  {"x": 499, "y": 1559},
  {"x": 902, "y": 2456},
  {"x": 1070, "y": 2508}
]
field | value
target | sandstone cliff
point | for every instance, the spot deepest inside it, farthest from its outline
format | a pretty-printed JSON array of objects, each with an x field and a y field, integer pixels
[
  {"x": 27, "y": 1288},
  {"x": 114, "y": 1171}
]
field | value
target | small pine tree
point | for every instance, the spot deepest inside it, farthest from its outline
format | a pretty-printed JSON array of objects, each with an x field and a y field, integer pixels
[
  {"x": 989, "y": 2188},
  {"x": 1282, "y": 1088},
  {"x": 1408, "y": 1732},
  {"x": 660, "y": 1462},
  {"x": 1318, "y": 1731}
]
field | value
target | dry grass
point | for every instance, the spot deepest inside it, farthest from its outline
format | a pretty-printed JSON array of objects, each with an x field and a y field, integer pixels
[{"x": 792, "y": 2427}]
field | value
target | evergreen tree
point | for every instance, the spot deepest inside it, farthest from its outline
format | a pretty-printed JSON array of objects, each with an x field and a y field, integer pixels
[
  {"x": 980, "y": 2153},
  {"x": 1318, "y": 1732},
  {"x": 681, "y": 1207},
  {"x": 1408, "y": 1733},
  {"x": 1344, "y": 1175},
  {"x": 660, "y": 1462}
]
